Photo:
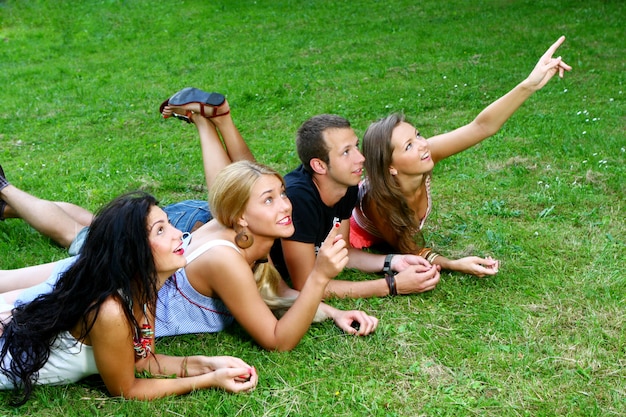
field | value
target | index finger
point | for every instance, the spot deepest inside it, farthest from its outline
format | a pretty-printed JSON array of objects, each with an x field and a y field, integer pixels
[
  {"x": 332, "y": 235},
  {"x": 552, "y": 49}
]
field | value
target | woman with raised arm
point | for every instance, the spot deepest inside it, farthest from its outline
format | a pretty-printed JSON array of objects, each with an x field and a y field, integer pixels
[
  {"x": 99, "y": 316},
  {"x": 395, "y": 198}
]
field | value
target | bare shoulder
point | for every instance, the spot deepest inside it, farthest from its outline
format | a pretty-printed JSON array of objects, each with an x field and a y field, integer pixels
[
  {"x": 110, "y": 321},
  {"x": 111, "y": 313},
  {"x": 206, "y": 273}
]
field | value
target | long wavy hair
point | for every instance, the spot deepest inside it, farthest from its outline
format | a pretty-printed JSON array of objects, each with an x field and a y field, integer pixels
[
  {"x": 116, "y": 261},
  {"x": 384, "y": 190},
  {"x": 228, "y": 199}
]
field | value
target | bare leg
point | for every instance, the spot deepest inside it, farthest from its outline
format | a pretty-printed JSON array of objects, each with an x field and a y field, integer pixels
[
  {"x": 45, "y": 216},
  {"x": 215, "y": 154},
  {"x": 79, "y": 214},
  {"x": 13, "y": 283},
  {"x": 221, "y": 117},
  {"x": 18, "y": 279},
  {"x": 236, "y": 147}
]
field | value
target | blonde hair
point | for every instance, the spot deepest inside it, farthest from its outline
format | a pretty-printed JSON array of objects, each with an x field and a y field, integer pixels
[{"x": 228, "y": 198}]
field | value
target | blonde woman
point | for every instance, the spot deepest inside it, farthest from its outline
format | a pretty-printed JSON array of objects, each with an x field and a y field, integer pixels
[{"x": 233, "y": 275}]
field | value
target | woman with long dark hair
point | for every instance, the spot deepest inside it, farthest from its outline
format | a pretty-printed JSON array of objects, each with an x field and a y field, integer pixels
[
  {"x": 99, "y": 316},
  {"x": 231, "y": 279},
  {"x": 395, "y": 198}
]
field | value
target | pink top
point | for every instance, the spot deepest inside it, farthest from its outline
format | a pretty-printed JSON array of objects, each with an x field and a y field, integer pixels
[{"x": 363, "y": 233}]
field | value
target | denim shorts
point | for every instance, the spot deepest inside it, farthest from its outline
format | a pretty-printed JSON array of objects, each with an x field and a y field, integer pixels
[
  {"x": 78, "y": 241},
  {"x": 187, "y": 214}
]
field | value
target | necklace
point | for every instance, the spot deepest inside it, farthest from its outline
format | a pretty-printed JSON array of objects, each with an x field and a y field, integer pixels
[{"x": 142, "y": 342}]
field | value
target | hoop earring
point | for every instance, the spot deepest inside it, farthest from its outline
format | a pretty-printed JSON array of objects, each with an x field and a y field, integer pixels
[{"x": 244, "y": 240}]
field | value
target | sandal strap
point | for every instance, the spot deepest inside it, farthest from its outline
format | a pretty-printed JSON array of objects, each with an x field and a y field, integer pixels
[
  {"x": 195, "y": 95},
  {"x": 218, "y": 115}
]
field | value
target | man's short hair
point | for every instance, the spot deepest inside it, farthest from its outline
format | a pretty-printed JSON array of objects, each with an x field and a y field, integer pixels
[{"x": 310, "y": 141}]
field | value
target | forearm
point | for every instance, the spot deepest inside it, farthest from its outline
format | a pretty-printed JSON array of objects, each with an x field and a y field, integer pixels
[
  {"x": 162, "y": 365},
  {"x": 322, "y": 312},
  {"x": 295, "y": 323},
  {"x": 491, "y": 119},
  {"x": 330, "y": 312},
  {"x": 365, "y": 261},
  {"x": 153, "y": 388},
  {"x": 445, "y": 263},
  {"x": 286, "y": 291},
  {"x": 357, "y": 289}
]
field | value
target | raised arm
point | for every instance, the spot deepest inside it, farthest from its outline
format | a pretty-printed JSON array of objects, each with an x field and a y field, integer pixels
[
  {"x": 236, "y": 287},
  {"x": 491, "y": 119}
]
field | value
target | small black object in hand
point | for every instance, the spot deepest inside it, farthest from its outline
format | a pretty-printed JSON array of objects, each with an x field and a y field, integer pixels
[{"x": 355, "y": 325}]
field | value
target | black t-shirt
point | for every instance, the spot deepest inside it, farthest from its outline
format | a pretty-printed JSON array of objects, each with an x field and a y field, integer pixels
[{"x": 312, "y": 218}]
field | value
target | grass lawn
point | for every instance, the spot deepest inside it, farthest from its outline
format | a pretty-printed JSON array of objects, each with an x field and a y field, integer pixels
[{"x": 81, "y": 85}]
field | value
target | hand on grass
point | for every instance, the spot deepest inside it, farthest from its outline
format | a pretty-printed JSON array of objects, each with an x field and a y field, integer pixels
[
  {"x": 236, "y": 379},
  {"x": 367, "y": 323},
  {"x": 474, "y": 265},
  {"x": 226, "y": 372}
]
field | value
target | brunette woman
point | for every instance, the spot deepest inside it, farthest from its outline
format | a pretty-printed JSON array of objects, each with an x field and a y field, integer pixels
[
  {"x": 395, "y": 198},
  {"x": 99, "y": 316}
]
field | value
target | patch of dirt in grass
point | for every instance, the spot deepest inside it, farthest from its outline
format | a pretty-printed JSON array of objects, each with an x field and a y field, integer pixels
[
  {"x": 594, "y": 178},
  {"x": 437, "y": 374},
  {"x": 516, "y": 160}
]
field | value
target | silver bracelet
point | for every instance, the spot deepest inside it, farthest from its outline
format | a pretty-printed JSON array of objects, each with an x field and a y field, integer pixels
[{"x": 387, "y": 264}]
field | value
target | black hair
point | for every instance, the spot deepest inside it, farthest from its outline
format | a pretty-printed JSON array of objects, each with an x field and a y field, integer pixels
[{"x": 115, "y": 261}]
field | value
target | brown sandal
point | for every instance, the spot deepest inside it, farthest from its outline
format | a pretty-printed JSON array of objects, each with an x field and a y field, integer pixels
[{"x": 194, "y": 95}]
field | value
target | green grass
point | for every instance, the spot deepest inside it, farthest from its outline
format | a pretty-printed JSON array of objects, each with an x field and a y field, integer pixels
[{"x": 81, "y": 84}]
